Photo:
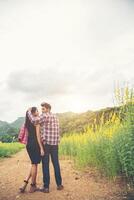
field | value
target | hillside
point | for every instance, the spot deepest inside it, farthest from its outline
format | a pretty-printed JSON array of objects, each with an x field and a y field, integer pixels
[
  {"x": 69, "y": 122},
  {"x": 3, "y": 123},
  {"x": 72, "y": 122},
  {"x": 4, "y": 127},
  {"x": 18, "y": 122}
]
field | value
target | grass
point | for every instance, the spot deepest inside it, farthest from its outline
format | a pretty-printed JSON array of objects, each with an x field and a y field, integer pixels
[
  {"x": 7, "y": 149},
  {"x": 93, "y": 148},
  {"x": 110, "y": 147}
]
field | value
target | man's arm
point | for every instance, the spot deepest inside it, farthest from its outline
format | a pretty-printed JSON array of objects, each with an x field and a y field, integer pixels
[
  {"x": 37, "y": 120},
  {"x": 34, "y": 120}
]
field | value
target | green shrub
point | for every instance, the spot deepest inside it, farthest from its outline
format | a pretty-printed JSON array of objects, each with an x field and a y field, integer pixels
[{"x": 7, "y": 149}]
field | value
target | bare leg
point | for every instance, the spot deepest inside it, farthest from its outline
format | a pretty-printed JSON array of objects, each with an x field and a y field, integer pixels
[
  {"x": 33, "y": 187},
  {"x": 22, "y": 189},
  {"x": 34, "y": 173},
  {"x": 29, "y": 175}
]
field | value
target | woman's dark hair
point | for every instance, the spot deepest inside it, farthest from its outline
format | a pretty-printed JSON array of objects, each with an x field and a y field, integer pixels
[
  {"x": 33, "y": 110},
  {"x": 27, "y": 120}
]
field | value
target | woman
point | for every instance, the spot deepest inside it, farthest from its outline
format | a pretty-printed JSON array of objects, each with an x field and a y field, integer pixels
[{"x": 34, "y": 149}]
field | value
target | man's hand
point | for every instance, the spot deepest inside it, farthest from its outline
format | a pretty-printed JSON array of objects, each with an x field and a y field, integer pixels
[{"x": 42, "y": 152}]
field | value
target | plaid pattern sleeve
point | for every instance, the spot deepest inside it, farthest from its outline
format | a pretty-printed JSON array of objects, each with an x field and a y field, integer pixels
[
  {"x": 50, "y": 129},
  {"x": 34, "y": 120}
]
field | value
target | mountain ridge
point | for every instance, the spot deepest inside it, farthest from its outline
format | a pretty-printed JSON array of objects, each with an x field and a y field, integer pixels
[{"x": 69, "y": 121}]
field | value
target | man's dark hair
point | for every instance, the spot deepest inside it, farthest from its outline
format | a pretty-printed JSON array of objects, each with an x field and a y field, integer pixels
[{"x": 46, "y": 105}]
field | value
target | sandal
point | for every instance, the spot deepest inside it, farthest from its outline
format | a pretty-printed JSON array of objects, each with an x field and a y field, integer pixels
[{"x": 22, "y": 189}]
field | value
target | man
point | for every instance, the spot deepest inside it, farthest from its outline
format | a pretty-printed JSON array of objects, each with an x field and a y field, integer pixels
[{"x": 50, "y": 136}]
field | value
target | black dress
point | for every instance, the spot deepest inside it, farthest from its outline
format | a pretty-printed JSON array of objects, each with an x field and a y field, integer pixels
[{"x": 32, "y": 145}]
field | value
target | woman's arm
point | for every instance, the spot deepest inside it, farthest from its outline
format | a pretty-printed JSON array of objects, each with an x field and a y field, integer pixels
[{"x": 39, "y": 139}]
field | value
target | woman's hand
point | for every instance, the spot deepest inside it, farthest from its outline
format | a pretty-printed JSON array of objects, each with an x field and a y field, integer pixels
[{"x": 42, "y": 152}]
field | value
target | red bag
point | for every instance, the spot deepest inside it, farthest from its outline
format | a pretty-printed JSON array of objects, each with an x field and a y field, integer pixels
[{"x": 23, "y": 135}]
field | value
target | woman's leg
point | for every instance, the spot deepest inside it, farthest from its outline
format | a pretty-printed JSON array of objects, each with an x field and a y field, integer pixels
[
  {"x": 22, "y": 189},
  {"x": 34, "y": 173},
  {"x": 33, "y": 187},
  {"x": 29, "y": 175}
]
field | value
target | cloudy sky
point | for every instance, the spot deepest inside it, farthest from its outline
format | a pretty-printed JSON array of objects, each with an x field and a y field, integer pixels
[{"x": 70, "y": 53}]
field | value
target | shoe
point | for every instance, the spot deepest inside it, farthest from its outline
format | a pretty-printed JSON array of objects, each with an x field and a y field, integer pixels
[
  {"x": 60, "y": 187},
  {"x": 33, "y": 188},
  {"x": 45, "y": 190},
  {"x": 23, "y": 188}
]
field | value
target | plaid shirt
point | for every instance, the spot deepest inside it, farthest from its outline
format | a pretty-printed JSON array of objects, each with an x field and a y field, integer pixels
[{"x": 49, "y": 127}]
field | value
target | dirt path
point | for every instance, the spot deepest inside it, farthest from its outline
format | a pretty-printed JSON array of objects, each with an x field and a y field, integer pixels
[{"x": 78, "y": 185}]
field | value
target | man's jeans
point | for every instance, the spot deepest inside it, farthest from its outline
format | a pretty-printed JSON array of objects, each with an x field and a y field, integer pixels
[{"x": 53, "y": 151}]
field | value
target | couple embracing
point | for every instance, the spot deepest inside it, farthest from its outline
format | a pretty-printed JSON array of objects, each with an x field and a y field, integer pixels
[{"x": 42, "y": 142}]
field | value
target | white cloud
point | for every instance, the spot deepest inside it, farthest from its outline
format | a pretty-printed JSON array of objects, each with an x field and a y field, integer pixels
[{"x": 70, "y": 53}]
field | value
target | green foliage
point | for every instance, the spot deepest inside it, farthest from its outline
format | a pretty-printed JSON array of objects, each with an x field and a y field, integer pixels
[
  {"x": 125, "y": 150},
  {"x": 125, "y": 98},
  {"x": 7, "y": 149},
  {"x": 6, "y": 138},
  {"x": 107, "y": 145},
  {"x": 93, "y": 148},
  {"x": 9, "y": 131}
]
